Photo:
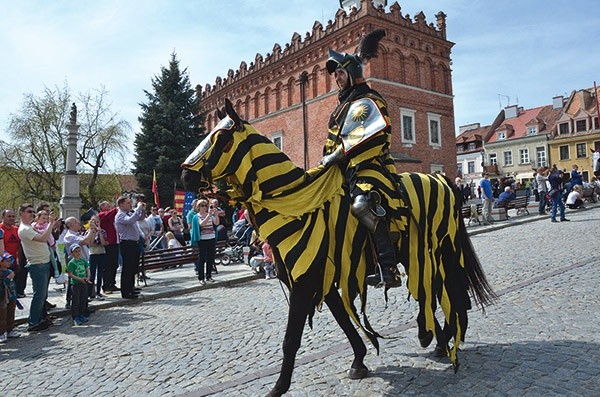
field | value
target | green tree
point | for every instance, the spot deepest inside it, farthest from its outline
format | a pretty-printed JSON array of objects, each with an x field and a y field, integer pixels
[
  {"x": 37, "y": 150},
  {"x": 169, "y": 132}
]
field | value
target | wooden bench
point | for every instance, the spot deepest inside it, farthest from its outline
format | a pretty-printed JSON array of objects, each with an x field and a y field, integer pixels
[
  {"x": 520, "y": 204},
  {"x": 164, "y": 258},
  {"x": 465, "y": 213}
]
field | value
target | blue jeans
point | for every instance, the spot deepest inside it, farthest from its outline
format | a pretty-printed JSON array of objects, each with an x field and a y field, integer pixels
[
  {"x": 97, "y": 263},
  {"x": 557, "y": 202},
  {"x": 40, "y": 275},
  {"x": 543, "y": 203}
]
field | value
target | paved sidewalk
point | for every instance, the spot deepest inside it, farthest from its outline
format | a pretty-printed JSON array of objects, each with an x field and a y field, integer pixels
[
  {"x": 182, "y": 280},
  {"x": 162, "y": 284}
]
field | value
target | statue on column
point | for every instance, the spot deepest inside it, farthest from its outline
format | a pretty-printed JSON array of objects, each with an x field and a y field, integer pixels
[{"x": 73, "y": 118}]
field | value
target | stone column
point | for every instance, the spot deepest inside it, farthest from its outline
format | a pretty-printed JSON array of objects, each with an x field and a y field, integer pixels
[{"x": 70, "y": 202}]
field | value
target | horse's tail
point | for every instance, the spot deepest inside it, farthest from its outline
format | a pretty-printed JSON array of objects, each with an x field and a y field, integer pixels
[{"x": 481, "y": 289}]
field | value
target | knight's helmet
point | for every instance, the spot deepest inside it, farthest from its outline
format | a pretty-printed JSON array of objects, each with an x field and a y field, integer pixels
[{"x": 353, "y": 63}]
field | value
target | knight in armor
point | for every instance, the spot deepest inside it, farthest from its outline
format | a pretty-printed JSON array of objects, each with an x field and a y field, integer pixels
[{"x": 358, "y": 141}]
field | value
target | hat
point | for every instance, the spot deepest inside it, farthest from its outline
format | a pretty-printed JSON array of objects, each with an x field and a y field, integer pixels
[
  {"x": 8, "y": 257},
  {"x": 74, "y": 247}
]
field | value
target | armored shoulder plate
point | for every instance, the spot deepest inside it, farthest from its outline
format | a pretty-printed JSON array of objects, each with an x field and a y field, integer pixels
[{"x": 363, "y": 120}]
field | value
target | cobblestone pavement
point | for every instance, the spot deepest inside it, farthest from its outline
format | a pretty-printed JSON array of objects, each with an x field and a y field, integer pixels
[{"x": 541, "y": 338}]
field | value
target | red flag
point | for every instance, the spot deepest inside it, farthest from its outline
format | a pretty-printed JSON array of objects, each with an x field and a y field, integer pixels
[{"x": 155, "y": 190}]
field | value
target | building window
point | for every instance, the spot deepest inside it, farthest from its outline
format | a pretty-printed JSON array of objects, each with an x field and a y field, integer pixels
[
  {"x": 493, "y": 159},
  {"x": 540, "y": 154},
  {"x": 471, "y": 167},
  {"x": 532, "y": 130},
  {"x": 459, "y": 169},
  {"x": 407, "y": 125},
  {"x": 435, "y": 137},
  {"x": 524, "y": 156},
  {"x": 581, "y": 150},
  {"x": 501, "y": 135},
  {"x": 581, "y": 125},
  {"x": 472, "y": 146},
  {"x": 563, "y": 128},
  {"x": 277, "y": 139},
  {"x": 596, "y": 123},
  {"x": 564, "y": 152},
  {"x": 508, "y": 158}
]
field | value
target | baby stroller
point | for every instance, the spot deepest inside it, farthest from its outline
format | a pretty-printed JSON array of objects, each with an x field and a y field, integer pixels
[{"x": 233, "y": 249}]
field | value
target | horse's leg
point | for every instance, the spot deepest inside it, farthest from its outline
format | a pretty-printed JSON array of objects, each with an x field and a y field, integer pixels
[
  {"x": 358, "y": 370},
  {"x": 300, "y": 304}
]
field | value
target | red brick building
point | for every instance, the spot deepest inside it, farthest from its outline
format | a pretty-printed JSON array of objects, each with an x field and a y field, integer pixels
[{"x": 288, "y": 94}]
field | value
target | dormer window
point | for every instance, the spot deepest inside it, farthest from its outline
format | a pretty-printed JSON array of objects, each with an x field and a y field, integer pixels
[
  {"x": 501, "y": 135},
  {"x": 581, "y": 125},
  {"x": 532, "y": 130},
  {"x": 472, "y": 146}
]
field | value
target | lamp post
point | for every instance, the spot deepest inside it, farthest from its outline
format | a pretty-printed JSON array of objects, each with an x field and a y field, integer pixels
[{"x": 70, "y": 202}]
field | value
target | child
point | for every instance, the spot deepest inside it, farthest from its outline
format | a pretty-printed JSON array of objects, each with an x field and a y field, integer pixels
[
  {"x": 97, "y": 258},
  {"x": 268, "y": 261},
  {"x": 41, "y": 224},
  {"x": 172, "y": 241},
  {"x": 79, "y": 278},
  {"x": 8, "y": 298}
]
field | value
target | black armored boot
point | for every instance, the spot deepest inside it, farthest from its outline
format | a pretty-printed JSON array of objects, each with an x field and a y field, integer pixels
[{"x": 388, "y": 275}]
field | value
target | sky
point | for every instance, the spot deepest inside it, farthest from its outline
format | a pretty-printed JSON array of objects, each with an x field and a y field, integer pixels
[{"x": 506, "y": 52}]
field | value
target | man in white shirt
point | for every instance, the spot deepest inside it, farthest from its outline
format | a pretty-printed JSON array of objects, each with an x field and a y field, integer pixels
[{"x": 35, "y": 248}]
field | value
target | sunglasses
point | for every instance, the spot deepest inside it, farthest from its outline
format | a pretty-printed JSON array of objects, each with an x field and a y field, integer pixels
[{"x": 30, "y": 211}]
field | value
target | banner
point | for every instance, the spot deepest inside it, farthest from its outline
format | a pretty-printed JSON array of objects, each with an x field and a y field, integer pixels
[
  {"x": 155, "y": 190},
  {"x": 183, "y": 201}
]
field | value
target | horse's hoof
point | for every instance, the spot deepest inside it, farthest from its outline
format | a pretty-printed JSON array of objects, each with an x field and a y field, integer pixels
[
  {"x": 426, "y": 340},
  {"x": 358, "y": 373},
  {"x": 440, "y": 351}
]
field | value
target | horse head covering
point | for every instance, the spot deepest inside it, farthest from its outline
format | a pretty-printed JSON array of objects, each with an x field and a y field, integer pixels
[{"x": 353, "y": 63}]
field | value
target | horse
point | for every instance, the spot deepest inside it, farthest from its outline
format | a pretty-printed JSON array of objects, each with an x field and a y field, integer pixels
[{"x": 320, "y": 249}]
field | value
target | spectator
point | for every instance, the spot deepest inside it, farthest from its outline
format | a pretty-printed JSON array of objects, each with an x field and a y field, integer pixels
[
  {"x": 35, "y": 247},
  {"x": 268, "y": 260},
  {"x": 12, "y": 245},
  {"x": 574, "y": 200},
  {"x": 79, "y": 276},
  {"x": 172, "y": 242},
  {"x": 220, "y": 229},
  {"x": 126, "y": 224},
  {"x": 505, "y": 198},
  {"x": 107, "y": 223},
  {"x": 542, "y": 188},
  {"x": 534, "y": 187},
  {"x": 207, "y": 220},
  {"x": 41, "y": 224},
  {"x": 576, "y": 178},
  {"x": 8, "y": 298},
  {"x": 156, "y": 224},
  {"x": 97, "y": 248},
  {"x": 192, "y": 219},
  {"x": 75, "y": 236},
  {"x": 486, "y": 198},
  {"x": 176, "y": 227},
  {"x": 556, "y": 180}
]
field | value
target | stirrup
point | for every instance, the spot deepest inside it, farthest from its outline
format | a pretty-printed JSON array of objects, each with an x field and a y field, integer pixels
[{"x": 389, "y": 279}]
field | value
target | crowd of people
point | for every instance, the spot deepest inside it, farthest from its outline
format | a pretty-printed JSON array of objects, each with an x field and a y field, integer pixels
[
  {"x": 86, "y": 254},
  {"x": 553, "y": 189}
]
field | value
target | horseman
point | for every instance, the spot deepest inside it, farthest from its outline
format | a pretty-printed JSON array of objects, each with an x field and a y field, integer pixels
[{"x": 358, "y": 142}]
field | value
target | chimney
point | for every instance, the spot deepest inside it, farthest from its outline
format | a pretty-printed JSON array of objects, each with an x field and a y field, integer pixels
[
  {"x": 510, "y": 112},
  {"x": 557, "y": 102},
  {"x": 468, "y": 127}
]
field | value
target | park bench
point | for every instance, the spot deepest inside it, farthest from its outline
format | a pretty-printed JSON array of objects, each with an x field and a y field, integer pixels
[
  {"x": 520, "y": 204},
  {"x": 165, "y": 258},
  {"x": 465, "y": 213}
]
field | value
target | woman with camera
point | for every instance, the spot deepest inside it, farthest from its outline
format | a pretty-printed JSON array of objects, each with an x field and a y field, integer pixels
[
  {"x": 176, "y": 227},
  {"x": 208, "y": 218}
]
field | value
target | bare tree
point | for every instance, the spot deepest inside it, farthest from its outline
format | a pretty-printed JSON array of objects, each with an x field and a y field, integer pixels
[{"x": 37, "y": 148}]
